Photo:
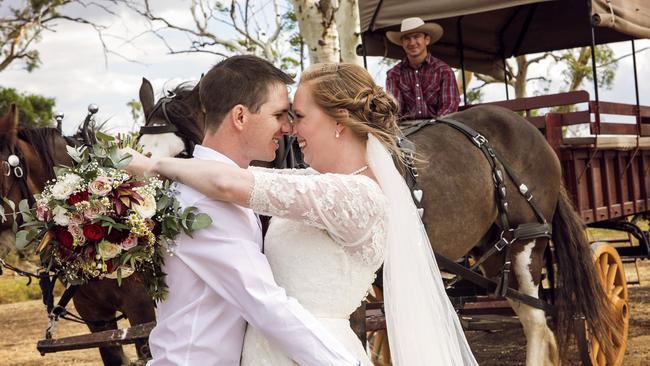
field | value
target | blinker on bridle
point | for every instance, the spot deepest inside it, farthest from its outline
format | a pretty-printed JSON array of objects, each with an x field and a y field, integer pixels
[
  {"x": 168, "y": 127},
  {"x": 12, "y": 162}
]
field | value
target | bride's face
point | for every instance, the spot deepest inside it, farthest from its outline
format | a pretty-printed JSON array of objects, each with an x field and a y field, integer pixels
[{"x": 314, "y": 129}]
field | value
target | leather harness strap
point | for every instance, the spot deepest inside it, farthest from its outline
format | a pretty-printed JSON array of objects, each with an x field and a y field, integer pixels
[{"x": 508, "y": 235}]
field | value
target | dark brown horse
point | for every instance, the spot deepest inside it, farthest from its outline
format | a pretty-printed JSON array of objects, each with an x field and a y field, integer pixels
[
  {"x": 39, "y": 150},
  {"x": 461, "y": 216}
]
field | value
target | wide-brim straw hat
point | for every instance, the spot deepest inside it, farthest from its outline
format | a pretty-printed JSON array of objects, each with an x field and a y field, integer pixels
[{"x": 413, "y": 25}]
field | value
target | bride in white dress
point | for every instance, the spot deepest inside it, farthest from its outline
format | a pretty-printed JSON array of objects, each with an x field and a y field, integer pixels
[{"x": 336, "y": 223}]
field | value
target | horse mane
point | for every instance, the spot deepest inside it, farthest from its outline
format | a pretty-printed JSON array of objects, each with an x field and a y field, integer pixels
[
  {"x": 42, "y": 140},
  {"x": 183, "y": 110}
]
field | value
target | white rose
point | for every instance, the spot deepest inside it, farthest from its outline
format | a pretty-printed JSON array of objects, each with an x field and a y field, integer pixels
[
  {"x": 61, "y": 190},
  {"x": 64, "y": 187},
  {"x": 148, "y": 207},
  {"x": 108, "y": 250},
  {"x": 60, "y": 216}
]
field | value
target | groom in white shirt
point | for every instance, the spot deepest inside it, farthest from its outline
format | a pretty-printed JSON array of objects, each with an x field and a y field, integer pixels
[{"x": 219, "y": 280}]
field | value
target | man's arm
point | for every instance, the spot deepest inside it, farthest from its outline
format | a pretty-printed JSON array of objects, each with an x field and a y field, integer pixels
[
  {"x": 392, "y": 80},
  {"x": 229, "y": 261},
  {"x": 449, "y": 98}
]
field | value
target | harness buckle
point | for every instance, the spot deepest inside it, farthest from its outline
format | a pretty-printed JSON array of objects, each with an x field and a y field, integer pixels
[
  {"x": 479, "y": 140},
  {"x": 503, "y": 242}
]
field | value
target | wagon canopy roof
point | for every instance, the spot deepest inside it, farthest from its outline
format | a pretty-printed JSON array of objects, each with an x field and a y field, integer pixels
[{"x": 492, "y": 29}]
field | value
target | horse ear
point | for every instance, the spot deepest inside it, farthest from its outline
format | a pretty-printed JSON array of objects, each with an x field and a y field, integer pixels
[
  {"x": 9, "y": 125},
  {"x": 146, "y": 96}
]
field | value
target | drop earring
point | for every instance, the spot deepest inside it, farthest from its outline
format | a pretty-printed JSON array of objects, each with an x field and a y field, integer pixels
[{"x": 337, "y": 134}]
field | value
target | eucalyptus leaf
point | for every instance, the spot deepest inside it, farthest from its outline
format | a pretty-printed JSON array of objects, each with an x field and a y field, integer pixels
[
  {"x": 22, "y": 240},
  {"x": 104, "y": 137},
  {"x": 122, "y": 161},
  {"x": 10, "y": 203},
  {"x": 162, "y": 203},
  {"x": 23, "y": 206},
  {"x": 201, "y": 221},
  {"x": 75, "y": 154}
]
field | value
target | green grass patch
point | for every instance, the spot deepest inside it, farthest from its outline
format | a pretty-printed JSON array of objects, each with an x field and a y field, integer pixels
[{"x": 14, "y": 289}]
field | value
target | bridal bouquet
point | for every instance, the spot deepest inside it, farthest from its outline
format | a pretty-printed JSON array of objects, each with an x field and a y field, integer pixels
[{"x": 95, "y": 220}]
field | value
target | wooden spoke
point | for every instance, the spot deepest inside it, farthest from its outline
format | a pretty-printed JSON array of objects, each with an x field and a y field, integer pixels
[{"x": 612, "y": 276}]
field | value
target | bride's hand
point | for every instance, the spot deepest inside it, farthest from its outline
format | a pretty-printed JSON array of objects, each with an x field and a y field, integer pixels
[{"x": 139, "y": 165}]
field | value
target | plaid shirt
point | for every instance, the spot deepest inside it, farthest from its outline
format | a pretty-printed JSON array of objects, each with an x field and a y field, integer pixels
[{"x": 426, "y": 92}]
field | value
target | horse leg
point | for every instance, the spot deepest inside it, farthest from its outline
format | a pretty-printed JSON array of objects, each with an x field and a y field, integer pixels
[
  {"x": 95, "y": 315},
  {"x": 541, "y": 346},
  {"x": 139, "y": 308}
]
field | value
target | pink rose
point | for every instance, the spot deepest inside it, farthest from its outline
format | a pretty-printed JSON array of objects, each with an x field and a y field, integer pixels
[
  {"x": 101, "y": 186},
  {"x": 92, "y": 213},
  {"x": 129, "y": 242},
  {"x": 76, "y": 231},
  {"x": 77, "y": 218},
  {"x": 43, "y": 212}
]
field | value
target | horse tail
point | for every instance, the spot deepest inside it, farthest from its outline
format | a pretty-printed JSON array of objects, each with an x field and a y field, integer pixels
[{"x": 579, "y": 289}]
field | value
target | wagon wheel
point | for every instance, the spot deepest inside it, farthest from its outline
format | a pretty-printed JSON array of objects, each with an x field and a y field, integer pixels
[
  {"x": 612, "y": 275},
  {"x": 378, "y": 340}
]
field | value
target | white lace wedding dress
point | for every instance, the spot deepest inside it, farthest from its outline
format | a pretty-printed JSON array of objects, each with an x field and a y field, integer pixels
[{"x": 324, "y": 245}]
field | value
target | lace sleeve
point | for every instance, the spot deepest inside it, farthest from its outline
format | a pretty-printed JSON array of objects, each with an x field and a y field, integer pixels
[
  {"x": 308, "y": 171},
  {"x": 352, "y": 209}
]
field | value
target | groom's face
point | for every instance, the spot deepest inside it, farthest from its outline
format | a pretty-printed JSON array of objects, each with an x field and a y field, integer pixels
[{"x": 268, "y": 125}]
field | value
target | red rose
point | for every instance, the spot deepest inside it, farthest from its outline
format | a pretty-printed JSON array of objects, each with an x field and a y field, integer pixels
[
  {"x": 77, "y": 197},
  {"x": 93, "y": 232},
  {"x": 63, "y": 236},
  {"x": 116, "y": 236},
  {"x": 109, "y": 266}
]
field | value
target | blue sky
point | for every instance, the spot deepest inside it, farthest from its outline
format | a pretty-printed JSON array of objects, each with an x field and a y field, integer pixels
[{"x": 75, "y": 73}]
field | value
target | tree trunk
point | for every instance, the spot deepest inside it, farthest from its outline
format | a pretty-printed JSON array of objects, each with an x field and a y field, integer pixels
[
  {"x": 349, "y": 29},
  {"x": 582, "y": 61},
  {"x": 520, "y": 80},
  {"x": 318, "y": 29}
]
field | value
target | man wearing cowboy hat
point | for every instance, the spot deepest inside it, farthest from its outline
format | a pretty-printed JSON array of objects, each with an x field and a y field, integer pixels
[{"x": 424, "y": 86}]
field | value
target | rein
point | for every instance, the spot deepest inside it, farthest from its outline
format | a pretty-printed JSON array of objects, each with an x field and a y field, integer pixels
[{"x": 508, "y": 235}]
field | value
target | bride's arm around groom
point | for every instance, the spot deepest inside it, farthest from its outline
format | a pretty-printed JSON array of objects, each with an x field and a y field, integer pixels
[{"x": 219, "y": 279}]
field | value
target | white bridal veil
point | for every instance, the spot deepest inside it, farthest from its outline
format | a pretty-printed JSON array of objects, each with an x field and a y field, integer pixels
[{"x": 423, "y": 328}]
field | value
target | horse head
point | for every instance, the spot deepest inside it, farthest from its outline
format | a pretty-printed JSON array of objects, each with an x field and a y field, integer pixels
[
  {"x": 14, "y": 184},
  {"x": 27, "y": 158},
  {"x": 171, "y": 124}
]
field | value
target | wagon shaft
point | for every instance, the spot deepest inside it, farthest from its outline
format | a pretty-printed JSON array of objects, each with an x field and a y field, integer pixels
[{"x": 106, "y": 338}]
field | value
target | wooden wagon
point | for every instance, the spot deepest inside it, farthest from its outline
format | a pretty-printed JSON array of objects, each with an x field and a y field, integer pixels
[{"x": 607, "y": 171}]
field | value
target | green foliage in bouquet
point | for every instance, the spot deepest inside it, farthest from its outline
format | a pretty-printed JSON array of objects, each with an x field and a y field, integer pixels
[{"x": 95, "y": 220}]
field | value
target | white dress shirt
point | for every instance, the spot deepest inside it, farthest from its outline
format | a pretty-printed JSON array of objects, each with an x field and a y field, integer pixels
[{"x": 219, "y": 280}]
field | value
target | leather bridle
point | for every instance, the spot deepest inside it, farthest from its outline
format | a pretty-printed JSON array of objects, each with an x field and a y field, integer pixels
[
  {"x": 16, "y": 165},
  {"x": 152, "y": 128}
]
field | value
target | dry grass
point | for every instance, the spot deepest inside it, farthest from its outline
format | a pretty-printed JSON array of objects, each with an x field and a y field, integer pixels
[{"x": 23, "y": 324}]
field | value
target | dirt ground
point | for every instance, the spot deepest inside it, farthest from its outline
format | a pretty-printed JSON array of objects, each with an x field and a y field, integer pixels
[{"x": 23, "y": 324}]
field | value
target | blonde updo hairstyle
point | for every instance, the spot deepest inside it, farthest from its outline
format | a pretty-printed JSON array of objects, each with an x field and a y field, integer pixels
[{"x": 347, "y": 93}]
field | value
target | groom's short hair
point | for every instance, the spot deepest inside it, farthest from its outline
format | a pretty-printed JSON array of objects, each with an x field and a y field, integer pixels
[{"x": 244, "y": 80}]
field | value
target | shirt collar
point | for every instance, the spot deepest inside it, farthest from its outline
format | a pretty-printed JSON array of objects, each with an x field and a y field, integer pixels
[
  {"x": 429, "y": 59},
  {"x": 206, "y": 153}
]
